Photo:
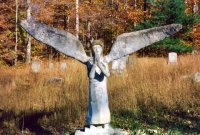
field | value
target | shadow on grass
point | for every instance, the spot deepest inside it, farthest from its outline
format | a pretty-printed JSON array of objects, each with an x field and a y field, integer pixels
[
  {"x": 37, "y": 123},
  {"x": 180, "y": 122},
  {"x": 11, "y": 124},
  {"x": 31, "y": 123}
]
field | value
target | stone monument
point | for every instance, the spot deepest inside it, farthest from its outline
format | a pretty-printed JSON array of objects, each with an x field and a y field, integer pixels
[
  {"x": 63, "y": 66},
  {"x": 51, "y": 65},
  {"x": 35, "y": 66},
  {"x": 119, "y": 66},
  {"x": 172, "y": 58},
  {"x": 197, "y": 77},
  {"x": 132, "y": 61},
  {"x": 98, "y": 113}
]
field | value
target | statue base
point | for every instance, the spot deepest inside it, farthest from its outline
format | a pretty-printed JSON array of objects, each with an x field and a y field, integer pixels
[{"x": 99, "y": 130}]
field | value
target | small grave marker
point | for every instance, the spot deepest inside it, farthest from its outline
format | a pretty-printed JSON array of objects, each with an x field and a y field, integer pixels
[
  {"x": 172, "y": 58},
  {"x": 63, "y": 66},
  {"x": 51, "y": 65},
  {"x": 132, "y": 61},
  {"x": 35, "y": 66},
  {"x": 56, "y": 79},
  {"x": 119, "y": 65},
  {"x": 197, "y": 77}
]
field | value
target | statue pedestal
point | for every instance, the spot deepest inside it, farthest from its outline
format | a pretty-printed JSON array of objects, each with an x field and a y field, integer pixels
[{"x": 99, "y": 130}]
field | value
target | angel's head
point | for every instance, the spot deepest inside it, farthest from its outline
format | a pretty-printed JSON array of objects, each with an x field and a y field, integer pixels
[{"x": 97, "y": 47}]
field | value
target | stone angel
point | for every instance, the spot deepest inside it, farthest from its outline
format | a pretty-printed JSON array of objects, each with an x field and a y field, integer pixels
[{"x": 98, "y": 71}]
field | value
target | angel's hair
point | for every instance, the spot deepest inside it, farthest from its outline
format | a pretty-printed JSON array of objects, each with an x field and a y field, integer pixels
[{"x": 98, "y": 42}]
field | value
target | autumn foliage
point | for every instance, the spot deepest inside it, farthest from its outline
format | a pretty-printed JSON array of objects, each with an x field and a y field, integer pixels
[{"x": 103, "y": 19}]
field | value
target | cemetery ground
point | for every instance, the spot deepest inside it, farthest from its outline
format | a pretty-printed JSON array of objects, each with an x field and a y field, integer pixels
[{"x": 155, "y": 98}]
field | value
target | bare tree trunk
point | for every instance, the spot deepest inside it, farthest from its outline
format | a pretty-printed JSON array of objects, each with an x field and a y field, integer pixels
[
  {"x": 89, "y": 28},
  {"x": 195, "y": 7},
  {"x": 195, "y": 11},
  {"x": 77, "y": 19},
  {"x": 125, "y": 19},
  {"x": 16, "y": 38},
  {"x": 135, "y": 8},
  {"x": 28, "y": 50},
  {"x": 117, "y": 20}
]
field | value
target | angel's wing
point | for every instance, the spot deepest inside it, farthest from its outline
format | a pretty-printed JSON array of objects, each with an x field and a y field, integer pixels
[
  {"x": 61, "y": 40},
  {"x": 128, "y": 43}
]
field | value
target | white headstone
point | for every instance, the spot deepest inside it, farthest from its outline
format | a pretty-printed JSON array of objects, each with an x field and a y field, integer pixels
[
  {"x": 51, "y": 65},
  {"x": 35, "y": 66},
  {"x": 197, "y": 77},
  {"x": 115, "y": 64},
  {"x": 132, "y": 61},
  {"x": 63, "y": 66},
  {"x": 119, "y": 65},
  {"x": 172, "y": 57}
]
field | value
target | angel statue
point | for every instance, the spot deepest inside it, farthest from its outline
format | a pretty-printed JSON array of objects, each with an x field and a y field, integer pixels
[{"x": 98, "y": 110}]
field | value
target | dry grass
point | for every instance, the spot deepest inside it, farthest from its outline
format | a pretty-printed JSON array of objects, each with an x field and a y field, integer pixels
[{"x": 152, "y": 86}]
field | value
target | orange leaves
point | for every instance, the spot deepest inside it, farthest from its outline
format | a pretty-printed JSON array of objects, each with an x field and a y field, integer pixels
[
  {"x": 196, "y": 35},
  {"x": 136, "y": 15}
]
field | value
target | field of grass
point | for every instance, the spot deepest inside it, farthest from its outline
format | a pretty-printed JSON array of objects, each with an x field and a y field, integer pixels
[{"x": 155, "y": 98}]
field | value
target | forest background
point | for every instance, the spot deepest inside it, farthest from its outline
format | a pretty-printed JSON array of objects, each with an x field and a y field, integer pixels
[{"x": 100, "y": 19}]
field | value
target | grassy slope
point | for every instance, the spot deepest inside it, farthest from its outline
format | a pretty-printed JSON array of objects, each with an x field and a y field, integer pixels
[{"x": 154, "y": 98}]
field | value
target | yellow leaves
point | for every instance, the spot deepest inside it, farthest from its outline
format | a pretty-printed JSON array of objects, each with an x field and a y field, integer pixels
[
  {"x": 189, "y": 43},
  {"x": 136, "y": 15}
]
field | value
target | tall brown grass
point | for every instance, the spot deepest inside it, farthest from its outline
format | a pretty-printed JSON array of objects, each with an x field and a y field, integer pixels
[{"x": 151, "y": 86}]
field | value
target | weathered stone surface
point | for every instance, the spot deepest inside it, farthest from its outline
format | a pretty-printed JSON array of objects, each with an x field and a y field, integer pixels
[
  {"x": 197, "y": 77},
  {"x": 125, "y": 44},
  {"x": 62, "y": 40},
  {"x": 132, "y": 61},
  {"x": 172, "y": 58},
  {"x": 128, "y": 43},
  {"x": 63, "y": 66},
  {"x": 56, "y": 79},
  {"x": 92, "y": 130},
  {"x": 119, "y": 66},
  {"x": 98, "y": 109},
  {"x": 35, "y": 66},
  {"x": 51, "y": 65}
]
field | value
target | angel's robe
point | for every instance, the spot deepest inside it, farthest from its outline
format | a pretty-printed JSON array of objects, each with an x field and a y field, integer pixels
[{"x": 98, "y": 109}]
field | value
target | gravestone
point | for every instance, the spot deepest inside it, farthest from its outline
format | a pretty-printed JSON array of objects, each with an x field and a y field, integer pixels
[
  {"x": 56, "y": 79},
  {"x": 172, "y": 58},
  {"x": 197, "y": 77},
  {"x": 35, "y": 66},
  {"x": 51, "y": 65},
  {"x": 132, "y": 61},
  {"x": 119, "y": 65},
  {"x": 63, "y": 66}
]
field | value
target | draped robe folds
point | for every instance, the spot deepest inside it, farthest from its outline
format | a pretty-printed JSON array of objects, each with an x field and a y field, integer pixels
[{"x": 98, "y": 109}]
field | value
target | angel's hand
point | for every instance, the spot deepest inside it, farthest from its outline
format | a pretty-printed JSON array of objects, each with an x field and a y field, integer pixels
[
  {"x": 103, "y": 65},
  {"x": 97, "y": 58}
]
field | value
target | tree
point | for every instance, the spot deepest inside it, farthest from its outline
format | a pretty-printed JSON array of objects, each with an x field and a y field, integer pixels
[
  {"x": 77, "y": 18},
  {"x": 28, "y": 50},
  {"x": 9, "y": 45},
  {"x": 167, "y": 12},
  {"x": 16, "y": 55}
]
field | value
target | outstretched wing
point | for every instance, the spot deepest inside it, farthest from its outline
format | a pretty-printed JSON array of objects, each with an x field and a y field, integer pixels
[
  {"x": 128, "y": 43},
  {"x": 61, "y": 40}
]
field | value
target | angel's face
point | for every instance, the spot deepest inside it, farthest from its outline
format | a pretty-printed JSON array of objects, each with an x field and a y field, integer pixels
[{"x": 97, "y": 49}]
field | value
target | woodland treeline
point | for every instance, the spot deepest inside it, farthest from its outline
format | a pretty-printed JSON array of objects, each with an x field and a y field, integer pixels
[{"x": 98, "y": 19}]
